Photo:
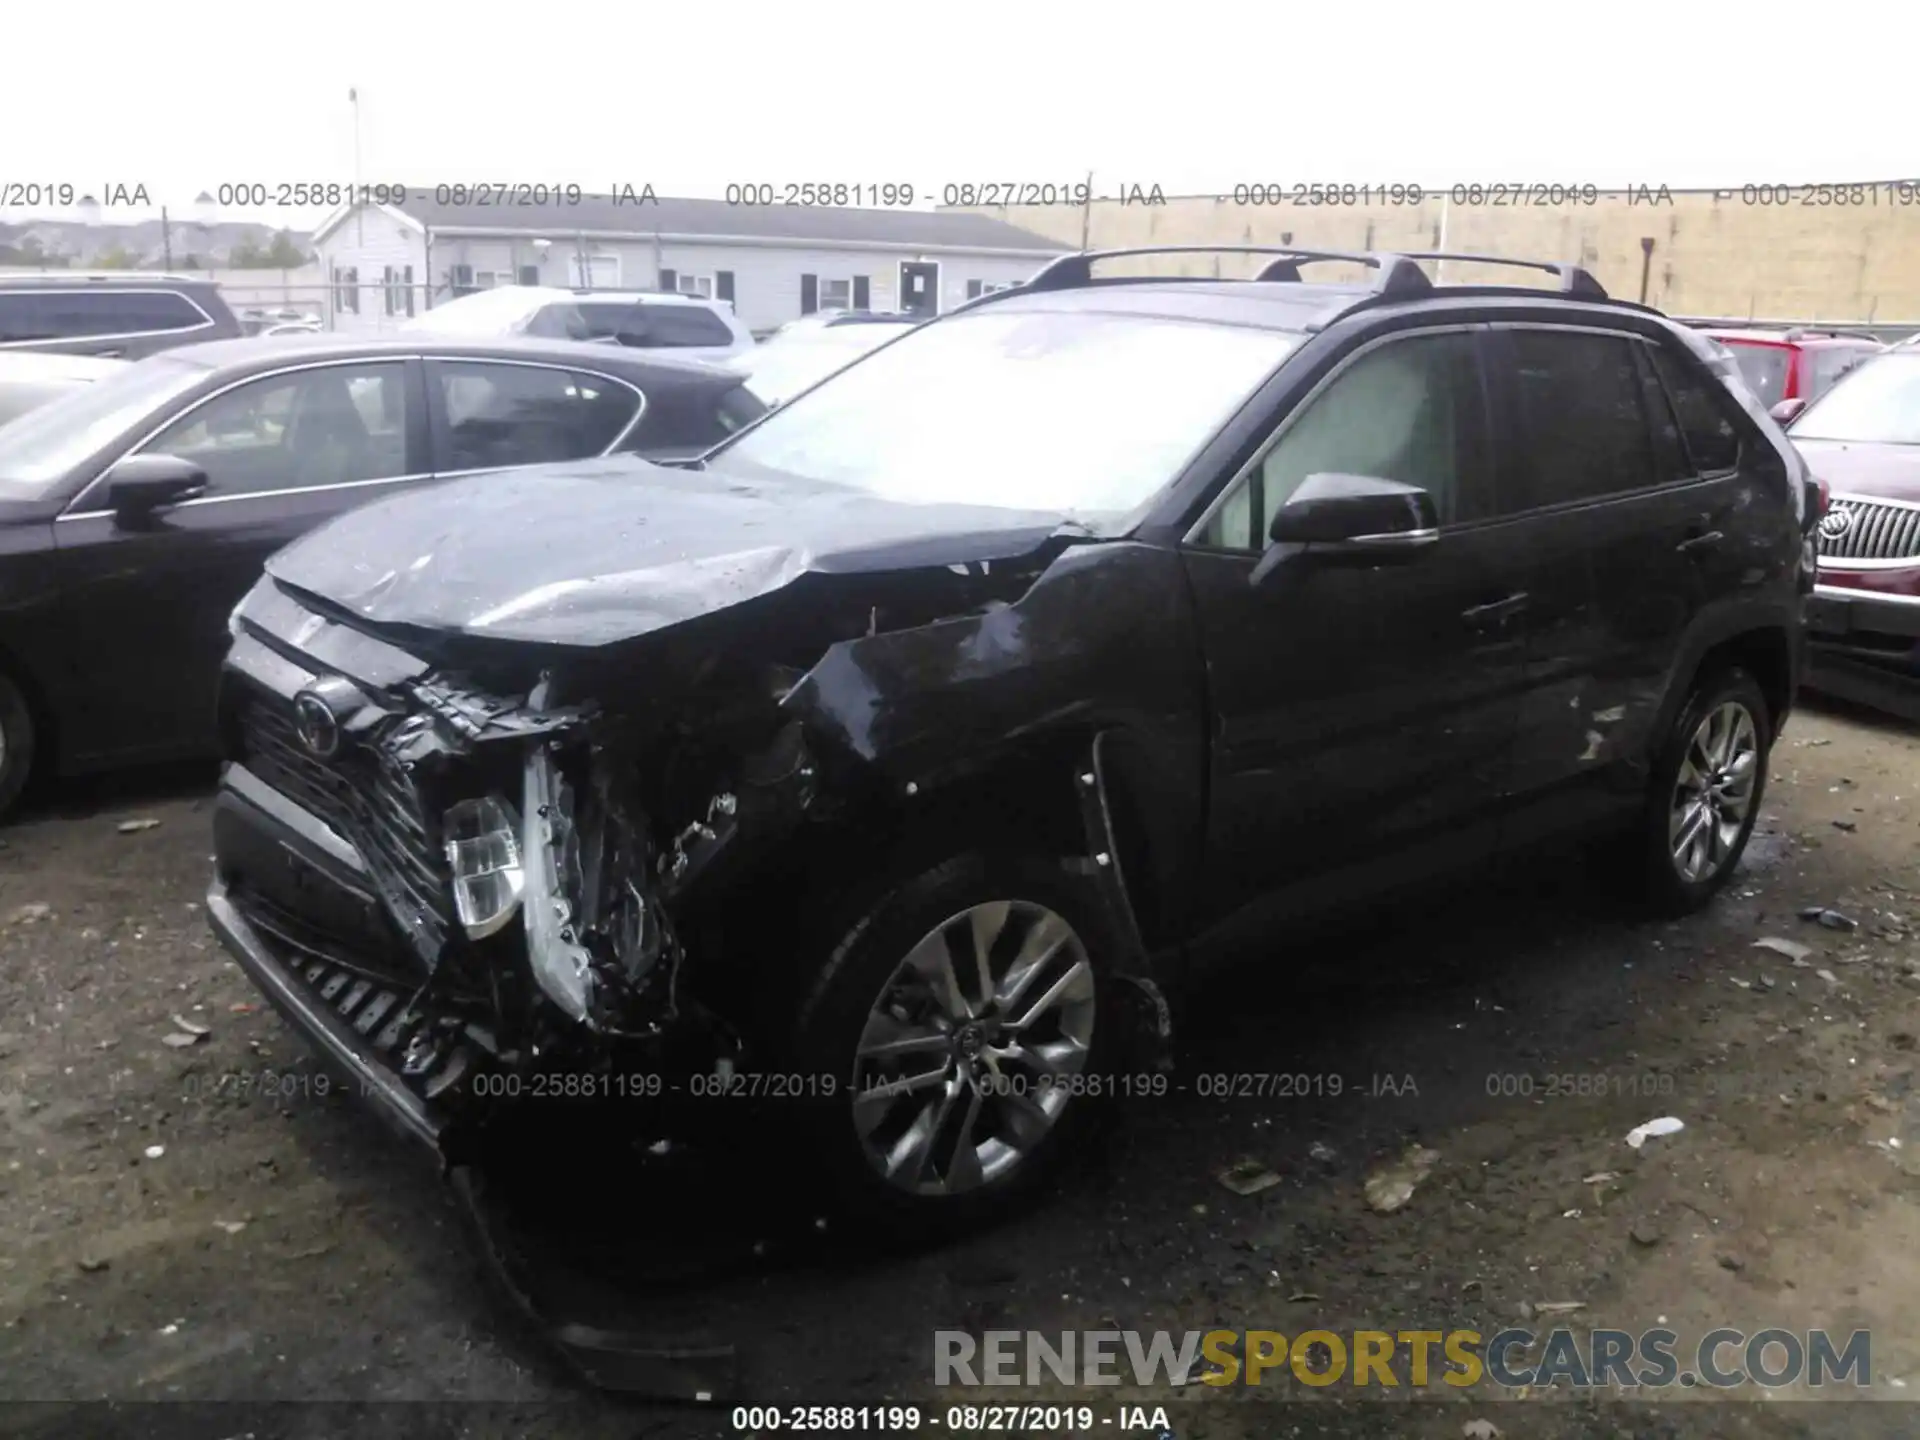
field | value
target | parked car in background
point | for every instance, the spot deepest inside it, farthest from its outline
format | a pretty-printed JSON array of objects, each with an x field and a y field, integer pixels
[
  {"x": 799, "y": 356},
  {"x": 1796, "y": 365},
  {"x": 137, "y": 510},
  {"x": 119, "y": 314},
  {"x": 29, "y": 378},
  {"x": 643, "y": 320},
  {"x": 910, "y": 747},
  {"x": 1862, "y": 439}
]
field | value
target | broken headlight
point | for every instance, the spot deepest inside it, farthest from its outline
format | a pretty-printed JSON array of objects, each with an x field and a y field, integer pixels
[{"x": 483, "y": 852}]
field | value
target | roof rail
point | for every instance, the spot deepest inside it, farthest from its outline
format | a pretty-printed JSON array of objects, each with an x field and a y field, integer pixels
[
  {"x": 1574, "y": 280},
  {"x": 14, "y": 277},
  {"x": 1396, "y": 276}
]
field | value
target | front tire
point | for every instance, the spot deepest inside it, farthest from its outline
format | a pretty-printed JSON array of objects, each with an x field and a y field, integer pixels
[
  {"x": 1705, "y": 791},
  {"x": 964, "y": 1023},
  {"x": 16, "y": 743}
]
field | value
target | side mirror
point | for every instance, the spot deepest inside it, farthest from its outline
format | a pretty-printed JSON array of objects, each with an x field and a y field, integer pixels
[
  {"x": 1360, "y": 515},
  {"x": 1785, "y": 410},
  {"x": 141, "y": 485}
]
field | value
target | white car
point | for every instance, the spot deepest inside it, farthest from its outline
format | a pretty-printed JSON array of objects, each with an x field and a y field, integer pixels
[
  {"x": 800, "y": 355},
  {"x": 689, "y": 326},
  {"x": 33, "y": 377}
]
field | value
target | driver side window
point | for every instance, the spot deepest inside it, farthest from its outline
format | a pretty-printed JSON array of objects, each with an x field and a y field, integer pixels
[
  {"x": 1410, "y": 411},
  {"x": 325, "y": 426}
]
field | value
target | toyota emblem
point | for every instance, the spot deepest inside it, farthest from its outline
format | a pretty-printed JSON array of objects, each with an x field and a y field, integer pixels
[
  {"x": 314, "y": 723},
  {"x": 1836, "y": 522}
]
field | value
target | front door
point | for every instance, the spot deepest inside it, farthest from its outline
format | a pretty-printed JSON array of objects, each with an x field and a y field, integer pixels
[
  {"x": 920, "y": 287},
  {"x": 282, "y": 453},
  {"x": 1362, "y": 716}
]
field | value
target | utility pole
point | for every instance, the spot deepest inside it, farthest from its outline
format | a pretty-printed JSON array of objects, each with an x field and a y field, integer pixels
[
  {"x": 1086, "y": 214},
  {"x": 166, "y": 241},
  {"x": 359, "y": 215}
]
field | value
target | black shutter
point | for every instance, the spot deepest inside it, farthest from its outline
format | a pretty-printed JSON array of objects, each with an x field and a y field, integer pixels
[
  {"x": 862, "y": 297},
  {"x": 809, "y": 294},
  {"x": 529, "y": 274},
  {"x": 386, "y": 286},
  {"x": 406, "y": 275},
  {"x": 462, "y": 280},
  {"x": 668, "y": 279},
  {"x": 723, "y": 285},
  {"x": 973, "y": 289}
]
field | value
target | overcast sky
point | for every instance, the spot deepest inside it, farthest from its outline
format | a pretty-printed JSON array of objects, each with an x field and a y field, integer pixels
[{"x": 1192, "y": 97}]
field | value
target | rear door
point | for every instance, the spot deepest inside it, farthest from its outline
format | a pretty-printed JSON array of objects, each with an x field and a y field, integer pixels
[
  {"x": 1626, "y": 539},
  {"x": 1362, "y": 717},
  {"x": 283, "y": 452}
]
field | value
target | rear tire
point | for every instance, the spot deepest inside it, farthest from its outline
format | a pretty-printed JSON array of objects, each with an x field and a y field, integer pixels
[
  {"x": 16, "y": 743},
  {"x": 952, "y": 1105},
  {"x": 1704, "y": 793}
]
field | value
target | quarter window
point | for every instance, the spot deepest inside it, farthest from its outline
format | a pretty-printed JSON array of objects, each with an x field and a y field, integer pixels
[
  {"x": 1410, "y": 411},
  {"x": 1582, "y": 430},
  {"x": 1700, "y": 402},
  {"x": 506, "y": 415},
  {"x": 327, "y": 426}
]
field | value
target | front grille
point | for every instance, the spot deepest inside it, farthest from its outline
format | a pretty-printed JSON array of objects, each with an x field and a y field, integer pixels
[
  {"x": 432, "y": 1056},
  {"x": 372, "y": 803},
  {"x": 1873, "y": 531}
]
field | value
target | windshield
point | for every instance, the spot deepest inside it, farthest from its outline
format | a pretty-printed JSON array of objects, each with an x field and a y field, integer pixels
[
  {"x": 786, "y": 365},
  {"x": 49, "y": 440},
  {"x": 1041, "y": 410},
  {"x": 1879, "y": 403},
  {"x": 1765, "y": 369}
]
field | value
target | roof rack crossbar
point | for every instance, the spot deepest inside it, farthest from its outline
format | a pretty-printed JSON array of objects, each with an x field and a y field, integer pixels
[
  {"x": 1393, "y": 277},
  {"x": 1574, "y": 279}
]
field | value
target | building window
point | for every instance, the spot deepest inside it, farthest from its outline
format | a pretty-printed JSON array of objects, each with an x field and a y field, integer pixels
[
  {"x": 701, "y": 285},
  {"x": 488, "y": 279},
  {"x": 723, "y": 285},
  {"x": 836, "y": 294},
  {"x": 529, "y": 274},
  {"x": 346, "y": 289},
  {"x": 594, "y": 272},
  {"x": 977, "y": 288},
  {"x": 392, "y": 291},
  {"x": 460, "y": 280}
]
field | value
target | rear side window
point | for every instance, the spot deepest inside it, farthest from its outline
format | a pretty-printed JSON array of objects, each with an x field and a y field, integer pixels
[
  {"x": 1582, "y": 431},
  {"x": 670, "y": 326},
  {"x": 695, "y": 419},
  {"x": 504, "y": 415},
  {"x": 1700, "y": 401},
  {"x": 65, "y": 314}
]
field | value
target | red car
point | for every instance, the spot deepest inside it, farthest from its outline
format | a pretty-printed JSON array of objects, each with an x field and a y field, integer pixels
[
  {"x": 1795, "y": 364},
  {"x": 1862, "y": 439}
]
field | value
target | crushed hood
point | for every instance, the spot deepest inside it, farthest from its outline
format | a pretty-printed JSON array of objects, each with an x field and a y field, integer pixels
[{"x": 601, "y": 551}]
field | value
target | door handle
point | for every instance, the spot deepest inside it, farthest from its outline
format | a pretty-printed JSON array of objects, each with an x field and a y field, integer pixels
[
  {"x": 1700, "y": 544},
  {"x": 1497, "y": 612}
]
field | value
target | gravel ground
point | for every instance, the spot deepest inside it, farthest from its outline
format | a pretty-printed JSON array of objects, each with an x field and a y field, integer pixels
[{"x": 171, "y": 1231}]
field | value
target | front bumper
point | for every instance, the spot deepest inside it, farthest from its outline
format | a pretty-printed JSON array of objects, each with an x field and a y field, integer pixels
[
  {"x": 1864, "y": 646},
  {"x": 291, "y": 903}
]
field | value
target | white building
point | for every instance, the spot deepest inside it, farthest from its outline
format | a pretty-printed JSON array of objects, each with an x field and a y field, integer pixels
[{"x": 774, "y": 262}]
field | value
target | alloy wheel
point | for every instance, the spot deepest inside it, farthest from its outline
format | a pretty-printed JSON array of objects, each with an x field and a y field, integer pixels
[
  {"x": 970, "y": 1053},
  {"x": 1714, "y": 791}
]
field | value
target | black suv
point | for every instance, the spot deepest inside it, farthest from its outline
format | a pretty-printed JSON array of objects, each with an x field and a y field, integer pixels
[
  {"x": 884, "y": 763},
  {"x": 116, "y": 313}
]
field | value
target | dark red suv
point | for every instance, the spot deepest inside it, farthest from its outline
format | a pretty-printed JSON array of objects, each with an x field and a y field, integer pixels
[{"x": 1795, "y": 364}]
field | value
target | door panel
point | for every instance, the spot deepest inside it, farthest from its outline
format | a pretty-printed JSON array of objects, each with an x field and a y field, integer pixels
[
  {"x": 158, "y": 597},
  {"x": 1620, "y": 541},
  {"x": 1362, "y": 715}
]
